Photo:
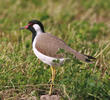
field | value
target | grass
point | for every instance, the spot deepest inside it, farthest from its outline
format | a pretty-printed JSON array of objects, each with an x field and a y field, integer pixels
[{"x": 83, "y": 25}]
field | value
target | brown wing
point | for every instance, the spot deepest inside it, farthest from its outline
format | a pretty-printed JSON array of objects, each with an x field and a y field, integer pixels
[{"x": 49, "y": 46}]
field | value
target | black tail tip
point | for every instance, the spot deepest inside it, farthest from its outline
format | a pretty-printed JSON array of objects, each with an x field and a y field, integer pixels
[{"x": 89, "y": 59}]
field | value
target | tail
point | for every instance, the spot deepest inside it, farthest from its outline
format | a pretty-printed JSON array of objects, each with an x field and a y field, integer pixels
[
  {"x": 85, "y": 58},
  {"x": 89, "y": 59}
]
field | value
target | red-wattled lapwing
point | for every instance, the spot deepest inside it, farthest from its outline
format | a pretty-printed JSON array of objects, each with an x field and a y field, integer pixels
[{"x": 46, "y": 46}]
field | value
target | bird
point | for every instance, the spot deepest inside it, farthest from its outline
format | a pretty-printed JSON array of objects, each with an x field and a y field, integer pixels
[{"x": 46, "y": 46}]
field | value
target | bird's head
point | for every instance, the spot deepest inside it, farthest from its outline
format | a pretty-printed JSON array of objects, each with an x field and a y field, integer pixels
[{"x": 34, "y": 26}]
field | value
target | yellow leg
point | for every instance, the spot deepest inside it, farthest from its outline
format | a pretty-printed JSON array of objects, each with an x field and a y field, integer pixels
[{"x": 53, "y": 77}]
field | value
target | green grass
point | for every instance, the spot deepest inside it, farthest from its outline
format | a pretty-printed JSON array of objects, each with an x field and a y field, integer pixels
[{"x": 84, "y": 25}]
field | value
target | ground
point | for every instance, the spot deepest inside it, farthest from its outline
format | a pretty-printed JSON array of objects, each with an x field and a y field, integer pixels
[{"x": 82, "y": 24}]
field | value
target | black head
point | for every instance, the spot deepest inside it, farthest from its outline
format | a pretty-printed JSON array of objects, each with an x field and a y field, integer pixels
[
  {"x": 34, "y": 22},
  {"x": 35, "y": 27}
]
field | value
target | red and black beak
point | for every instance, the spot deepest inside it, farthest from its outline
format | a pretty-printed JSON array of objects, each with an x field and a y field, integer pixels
[{"x": 26, "y": 27}]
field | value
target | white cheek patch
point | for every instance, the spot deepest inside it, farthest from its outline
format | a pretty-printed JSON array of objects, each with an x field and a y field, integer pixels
[{"x": 37, "y": 28}]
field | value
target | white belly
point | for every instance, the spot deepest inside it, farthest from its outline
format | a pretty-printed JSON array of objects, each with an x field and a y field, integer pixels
[{"x": 46, "y": 59}]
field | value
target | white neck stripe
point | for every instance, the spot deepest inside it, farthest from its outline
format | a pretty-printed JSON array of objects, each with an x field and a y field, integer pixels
[{"x": 37, "y": 29}]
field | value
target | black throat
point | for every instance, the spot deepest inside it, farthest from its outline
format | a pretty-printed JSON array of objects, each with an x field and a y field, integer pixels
[
  {"x": 33, "y": 36},
  {"x": 34, "y": 33}
]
